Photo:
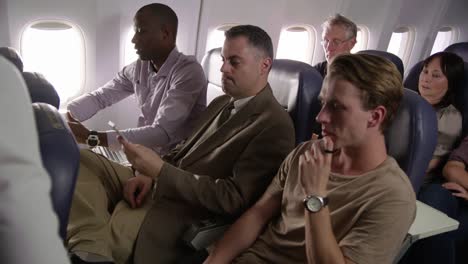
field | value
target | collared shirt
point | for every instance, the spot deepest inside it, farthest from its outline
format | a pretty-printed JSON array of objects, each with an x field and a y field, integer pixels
[{"x": 169, "y": 99}]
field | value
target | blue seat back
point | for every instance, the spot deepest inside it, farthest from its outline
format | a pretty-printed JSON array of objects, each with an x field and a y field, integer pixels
[
  {"x": 12, "y": 55},
  {"x": 387, "y": 55},
  {"x": 60, "y": 157},
  {"x": 461, "y": 49},
  {"x": 296, "y": 86},
  {"x": 412, "y": 136},
  {"x": 40, "y": 90}
]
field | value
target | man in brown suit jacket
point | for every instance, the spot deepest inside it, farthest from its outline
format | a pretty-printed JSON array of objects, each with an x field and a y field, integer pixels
[{"x": 221, "y": 169}]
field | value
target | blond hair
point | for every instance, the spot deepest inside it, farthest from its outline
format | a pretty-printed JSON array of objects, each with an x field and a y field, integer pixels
[{"x": 377, "y": 78}]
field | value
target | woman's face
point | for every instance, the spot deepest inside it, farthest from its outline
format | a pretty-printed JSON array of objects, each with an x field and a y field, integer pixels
[{"x": 432, "y": 82}]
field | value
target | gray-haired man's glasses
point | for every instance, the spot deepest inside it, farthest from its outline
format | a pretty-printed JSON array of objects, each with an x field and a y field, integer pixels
[{"x": 333, "y": 43}]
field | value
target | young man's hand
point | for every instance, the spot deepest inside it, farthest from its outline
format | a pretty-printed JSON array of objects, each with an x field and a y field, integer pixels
[{"x": 315, "y": 166}]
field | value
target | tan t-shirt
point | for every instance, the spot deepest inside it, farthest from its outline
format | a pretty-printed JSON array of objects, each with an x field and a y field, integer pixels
[{"x": 370, "y": 213}]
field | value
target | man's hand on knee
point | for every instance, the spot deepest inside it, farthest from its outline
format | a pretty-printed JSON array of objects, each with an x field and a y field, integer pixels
[{"x": 136, "y": 190}]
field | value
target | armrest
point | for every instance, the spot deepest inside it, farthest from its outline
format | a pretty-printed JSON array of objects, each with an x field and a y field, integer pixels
[
  {"x": 203, "y": 234},
  {"x": 428, "y": 222}
]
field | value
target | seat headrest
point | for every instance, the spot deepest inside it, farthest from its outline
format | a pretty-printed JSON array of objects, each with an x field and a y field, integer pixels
[
  {"x": 13, "y": 56},
  {"x": 211, "y": 64},
  {"x": 40, "y": 89},
  {"x": 286, "y": 78},
  {"x": 412, "y": 136},
  {"x": 387, "y": 55},
  {"x": 296, "y": 86},
  {"x": 461, "y": 49}
]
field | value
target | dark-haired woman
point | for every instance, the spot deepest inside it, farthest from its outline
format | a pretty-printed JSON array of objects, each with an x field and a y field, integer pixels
[{"x": 441, "y": 76}]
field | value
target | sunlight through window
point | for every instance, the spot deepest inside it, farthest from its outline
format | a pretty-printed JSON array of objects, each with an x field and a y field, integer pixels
[
  {"x": 295, "y": 43},
  {"x": 401, "y": 42},
  {"x": 130, "y": 54},
  {"x": 216, "y": 37},
  {"x": 443, "y": 39},
  {"x": 394, "y": 46},
  {"x": 56, "y": 50},
  {"x": 362, "y": 38}
]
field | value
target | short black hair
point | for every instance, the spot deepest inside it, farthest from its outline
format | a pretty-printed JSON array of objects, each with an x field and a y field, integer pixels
[
  {"x": 164, "y": 14},
  {"x": 453, "y": 68},
  {"x": 257, "y": 37}
]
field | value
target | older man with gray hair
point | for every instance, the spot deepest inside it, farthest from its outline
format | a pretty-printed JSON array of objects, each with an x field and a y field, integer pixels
[{"x": 338, "y": 37}]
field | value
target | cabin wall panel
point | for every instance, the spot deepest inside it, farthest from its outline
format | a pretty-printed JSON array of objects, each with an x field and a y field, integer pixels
[
  {"x": 378, "y": 16},
  {"x": 272, "y": 16},
  {"x": 415, "y": 14},
  {"x": 456, "y": 16},
  {"x": 4, "y": 28}
]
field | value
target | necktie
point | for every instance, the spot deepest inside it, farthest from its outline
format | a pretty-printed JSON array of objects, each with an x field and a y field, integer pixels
[{"x": 226, "y": 113}]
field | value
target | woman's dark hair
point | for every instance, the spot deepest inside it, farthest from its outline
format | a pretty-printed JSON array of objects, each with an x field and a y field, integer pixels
[{"x": 453, "y": 68}]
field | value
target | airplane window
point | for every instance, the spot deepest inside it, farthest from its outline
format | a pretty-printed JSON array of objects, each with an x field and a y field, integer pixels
[
  {"x": 129, "y": 50},
  {"x": 216, "y": 37},
  {"x": 401, "y": 42},
  {"x": 362, "y": 39},
  {"x": 296, "y": 43},
  {"x": 444, "y": 38},
  {"x": 62, "y": 46}
]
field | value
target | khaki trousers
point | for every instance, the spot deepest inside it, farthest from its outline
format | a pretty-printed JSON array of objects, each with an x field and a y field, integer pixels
[{"x": 101, "y": 222}]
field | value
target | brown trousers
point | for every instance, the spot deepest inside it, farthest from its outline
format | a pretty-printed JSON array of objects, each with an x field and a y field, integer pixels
[{"x": 101, "y": 222}]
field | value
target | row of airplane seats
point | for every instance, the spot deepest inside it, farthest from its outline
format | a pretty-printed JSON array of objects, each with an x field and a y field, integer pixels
[
  {"x": 58, "y": 149},
  {"x": 296, "y": 85}
]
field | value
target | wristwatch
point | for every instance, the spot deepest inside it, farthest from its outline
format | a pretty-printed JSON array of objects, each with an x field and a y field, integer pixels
[
  {"x": 314, "y": 203},
  {"x": 93, "y": 139}
]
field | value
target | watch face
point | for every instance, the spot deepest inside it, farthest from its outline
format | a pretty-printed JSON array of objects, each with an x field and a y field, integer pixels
[
  {"x": 92, "y": 141},
  {"x": 313, "y": 204}
]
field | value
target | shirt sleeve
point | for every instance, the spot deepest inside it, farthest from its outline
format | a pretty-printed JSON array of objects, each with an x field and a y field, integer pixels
[
  {"x": 278, "y": 182},
  {"x": 29, "y": 226},
  {"x": 461, "y": 153},
  {"x": 87, "y": 105},
  {"x": 187, "y": 85}
]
